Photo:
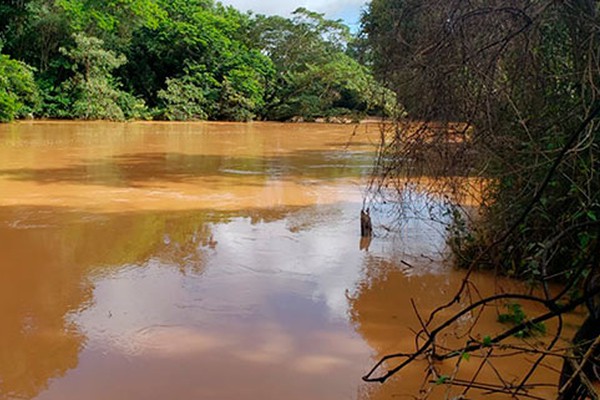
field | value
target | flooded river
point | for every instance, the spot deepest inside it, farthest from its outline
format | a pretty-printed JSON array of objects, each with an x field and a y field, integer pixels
[{"x": 204, "y": 261}]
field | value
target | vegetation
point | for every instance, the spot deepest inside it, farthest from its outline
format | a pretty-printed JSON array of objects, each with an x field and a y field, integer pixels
[
  {"x": 523, "y": 81},
  {"x": 515, "y": 316},
  {"x": 94, "y": 91},
  {"x": 314, "y": 69},
  {"x": 18, "y": 92},
  {"x": 507, "y": 92},
  {"x": 179, "y": 60}
]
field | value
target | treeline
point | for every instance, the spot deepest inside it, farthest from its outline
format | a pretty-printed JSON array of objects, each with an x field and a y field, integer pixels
[{"x": 178, "y": 60}]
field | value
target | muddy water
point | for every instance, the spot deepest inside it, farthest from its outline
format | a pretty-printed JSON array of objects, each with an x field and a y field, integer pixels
[{"x": 204, "y": 261}]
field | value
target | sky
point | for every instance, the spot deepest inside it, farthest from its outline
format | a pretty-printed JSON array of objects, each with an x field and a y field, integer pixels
[{"x": 348, "y": 10}]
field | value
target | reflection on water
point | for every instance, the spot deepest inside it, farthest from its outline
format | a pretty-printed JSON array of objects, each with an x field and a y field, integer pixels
[{"x": 153, "y": 261}]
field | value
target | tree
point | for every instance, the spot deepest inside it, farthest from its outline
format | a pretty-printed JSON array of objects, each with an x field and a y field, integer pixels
[
  {"x": 517, "y": 83},
  {"x": 199, "y": 49},
  {"x": 34, "y": 31},
  {"x": 113, "y": 21},
  {"x": 95, "y": 92},
  {"x": 315, "y": 76},
  {"x": 186, "y": 98},
  {"x": 252, "y": 67},
  {"x": 18, "y": 91}
]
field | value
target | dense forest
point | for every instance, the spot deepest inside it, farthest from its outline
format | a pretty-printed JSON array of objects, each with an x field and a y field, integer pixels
[{"x": 178, "y": 60}]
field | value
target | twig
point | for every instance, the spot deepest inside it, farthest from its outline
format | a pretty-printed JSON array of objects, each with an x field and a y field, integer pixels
[{"x": 578, "y": 371}]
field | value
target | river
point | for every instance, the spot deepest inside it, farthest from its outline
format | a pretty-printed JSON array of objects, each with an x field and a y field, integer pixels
[{"x": 205, "y": 261}]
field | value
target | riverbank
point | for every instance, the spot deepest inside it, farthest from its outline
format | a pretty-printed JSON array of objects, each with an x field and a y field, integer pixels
[{"x": 320, "y": 120}]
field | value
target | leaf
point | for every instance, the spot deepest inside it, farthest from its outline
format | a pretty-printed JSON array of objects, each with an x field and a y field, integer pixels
[
  {"x": 442, "y": 379},
  {"x": 584, "y": 239},
  {"x": 592, "y": 216},
  {"x": 466, "y": 356},
  {"x": 487, "y": 341}
]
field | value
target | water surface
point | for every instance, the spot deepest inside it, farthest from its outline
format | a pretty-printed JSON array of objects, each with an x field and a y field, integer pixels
[{"x": 202, "y": 261}]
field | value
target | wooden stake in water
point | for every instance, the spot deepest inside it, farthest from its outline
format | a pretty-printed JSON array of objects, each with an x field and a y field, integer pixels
[{"x": 366, "y": 228}]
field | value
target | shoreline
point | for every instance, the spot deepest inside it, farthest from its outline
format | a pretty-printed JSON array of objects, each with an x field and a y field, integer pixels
[{"x": 319, "y": 121}]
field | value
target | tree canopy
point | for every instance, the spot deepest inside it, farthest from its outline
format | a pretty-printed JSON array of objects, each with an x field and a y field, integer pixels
[{"x": 184, "y": 60}]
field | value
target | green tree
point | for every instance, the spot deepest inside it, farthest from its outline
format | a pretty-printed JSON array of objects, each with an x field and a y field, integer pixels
[
  {"x": 33, "y": 31},
  {"x": 95, "y": 92},
  {"x": 18, "y": 91},
  {"x": 114, "y": 20},
  {"x": 186, "y": 98},
  {"x": 198, "y": 52},
  {"x": 315, "y": 75},
  {"x": 187, "y": 59}
]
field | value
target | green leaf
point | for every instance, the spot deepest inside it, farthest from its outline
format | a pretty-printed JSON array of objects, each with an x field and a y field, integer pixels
[
  {"x": 592, "y": 216},
  {"x": 487, "y": 341}
]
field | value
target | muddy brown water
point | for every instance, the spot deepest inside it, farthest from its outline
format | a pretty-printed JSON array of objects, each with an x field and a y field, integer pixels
[{"x": 206, "y": 261}]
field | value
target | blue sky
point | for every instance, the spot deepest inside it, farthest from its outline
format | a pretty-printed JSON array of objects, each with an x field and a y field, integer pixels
[{"x": 348, "y": 10}]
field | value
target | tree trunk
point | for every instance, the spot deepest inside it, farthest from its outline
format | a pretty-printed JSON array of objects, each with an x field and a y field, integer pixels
[{"x": 584, "y": 338}]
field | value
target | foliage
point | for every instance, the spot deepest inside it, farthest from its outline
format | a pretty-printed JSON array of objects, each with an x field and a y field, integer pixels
[
  {"x": 187, "y": 60},
  {"x": 184, "y": 98},
  {"x": 34, "y": 31},
  {"x": 114, "y": 20},
  {"x": 94, "y": 90},
  {"x": 224, "y": 74},
  {"x": 516, "y": 316},
  {"x": 315, "y": 75},
  {"x": 18, "y": 91}
]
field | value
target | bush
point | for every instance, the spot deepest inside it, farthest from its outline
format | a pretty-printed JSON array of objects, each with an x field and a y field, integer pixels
[
  {"x": 18, "y": 91},
  {"x": 183, "y": 100},
  {"x": 95, "y": 92}
]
